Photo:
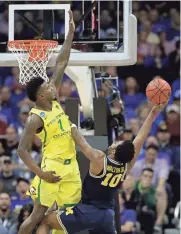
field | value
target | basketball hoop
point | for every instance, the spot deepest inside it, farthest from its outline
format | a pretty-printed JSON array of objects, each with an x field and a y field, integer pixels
[{"x": 33, "y": 57}]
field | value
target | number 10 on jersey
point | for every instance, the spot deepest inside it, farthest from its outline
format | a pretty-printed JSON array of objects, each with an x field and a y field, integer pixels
[{"x": 111, "y": 180}]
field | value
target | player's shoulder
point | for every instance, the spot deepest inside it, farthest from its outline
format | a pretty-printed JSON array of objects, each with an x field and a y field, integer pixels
[
  {"x": 98, "y": 156},
  {"x": 34, "y": 121},
  {"x": 33, "y": 118}
]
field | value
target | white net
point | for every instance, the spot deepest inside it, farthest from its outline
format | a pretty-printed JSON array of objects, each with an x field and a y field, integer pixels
[{"x": 33, "y": 57}]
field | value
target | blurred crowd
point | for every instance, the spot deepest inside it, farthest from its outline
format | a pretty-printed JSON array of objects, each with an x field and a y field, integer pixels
[{"x": 150, "y": 194}]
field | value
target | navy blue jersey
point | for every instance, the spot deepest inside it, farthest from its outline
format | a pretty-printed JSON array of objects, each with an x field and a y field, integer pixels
[{"x": 100, "y": 190}]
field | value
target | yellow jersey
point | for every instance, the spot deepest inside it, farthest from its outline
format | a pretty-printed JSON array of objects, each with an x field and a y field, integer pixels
[{"x": 56, "y": 138}]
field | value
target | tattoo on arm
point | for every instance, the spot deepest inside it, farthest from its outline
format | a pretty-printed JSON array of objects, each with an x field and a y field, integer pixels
[
  {"x": 63, "y": 57},
  {"x": 62, "y": 60},
  {"x": 86, "y": 149}
]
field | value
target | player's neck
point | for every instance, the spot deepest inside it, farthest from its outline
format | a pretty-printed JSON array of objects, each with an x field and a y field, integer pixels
[
  {"x": 111, "y": 156},
  {"x": 47, "y": 106}
]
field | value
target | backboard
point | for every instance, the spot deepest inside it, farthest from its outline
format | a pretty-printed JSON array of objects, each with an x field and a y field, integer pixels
[{"x": 95, "y": 44}]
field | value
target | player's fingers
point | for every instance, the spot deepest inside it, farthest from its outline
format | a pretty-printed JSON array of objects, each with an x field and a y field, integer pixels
[
  {"x": 56, "y": 179},
  {"x": 70, "y": 15},
  {"x": 162, "y": 105},
  {"x": 53, "y": 172}
]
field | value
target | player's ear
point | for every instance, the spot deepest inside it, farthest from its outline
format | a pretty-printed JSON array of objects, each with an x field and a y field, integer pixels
[
  {"x": 113, "y": 151},
  {"x": 40, "y": 96}
]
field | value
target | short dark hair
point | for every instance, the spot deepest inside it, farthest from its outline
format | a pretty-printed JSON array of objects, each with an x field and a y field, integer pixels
[
  {"x": 33, "y": 87},
  {"x": 155, "y": 147},
  {"x": 147, "y": 169},
  {"x": 125, "y": 152}
]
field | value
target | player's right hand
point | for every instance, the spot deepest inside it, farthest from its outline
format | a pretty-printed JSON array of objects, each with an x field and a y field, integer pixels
[
  {"x": 71, "y": 22},
  {"x": 50, "y": 177},
  {"x": 158, "y": 108}
]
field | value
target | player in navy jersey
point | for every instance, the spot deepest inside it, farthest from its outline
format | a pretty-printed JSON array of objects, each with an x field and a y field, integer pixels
[{"x": 95, "y": 213}]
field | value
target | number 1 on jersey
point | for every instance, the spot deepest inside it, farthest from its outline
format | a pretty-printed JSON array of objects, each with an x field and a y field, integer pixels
[{"x": 60, "y": 124}]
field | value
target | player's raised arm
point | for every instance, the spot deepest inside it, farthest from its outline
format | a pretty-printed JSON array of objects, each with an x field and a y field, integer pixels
[
  {"x": 63, "y": 57},
  {"x": 33, "y": 124},
  {"x": 144, "y": 131},
  {"x": 91, "y": 153}
]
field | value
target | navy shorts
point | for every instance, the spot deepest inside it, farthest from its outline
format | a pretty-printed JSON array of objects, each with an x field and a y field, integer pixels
[{"x": 86, "y": 217}]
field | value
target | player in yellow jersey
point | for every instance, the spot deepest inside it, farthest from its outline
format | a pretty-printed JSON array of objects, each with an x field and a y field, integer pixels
[{"x": 58, "y": 179}]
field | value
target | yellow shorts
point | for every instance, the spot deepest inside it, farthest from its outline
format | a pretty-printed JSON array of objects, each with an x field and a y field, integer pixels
[{"x": 66, "y": 192}]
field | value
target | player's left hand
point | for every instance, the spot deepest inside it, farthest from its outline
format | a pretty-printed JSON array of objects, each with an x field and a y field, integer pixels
[
  {"x": 50, "y": 176},
  {"x": 71, "y": 22}
]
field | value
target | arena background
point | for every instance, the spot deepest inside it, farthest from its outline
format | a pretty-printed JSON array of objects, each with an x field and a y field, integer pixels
[{"x": 158, "y": 56}]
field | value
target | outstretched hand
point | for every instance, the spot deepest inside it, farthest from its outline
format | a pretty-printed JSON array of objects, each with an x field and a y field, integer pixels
[
  {"x": 156, "y": 109},
  {"x": 71, "y": 22}
]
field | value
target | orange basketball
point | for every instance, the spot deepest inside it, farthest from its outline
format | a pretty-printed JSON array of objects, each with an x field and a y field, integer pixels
[{"x": 158, "y": 91}]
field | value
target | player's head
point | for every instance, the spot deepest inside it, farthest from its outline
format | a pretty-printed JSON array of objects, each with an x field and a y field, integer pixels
[
  {"x": 39, "y": 90},
  {"x": 122, "y": 151}
]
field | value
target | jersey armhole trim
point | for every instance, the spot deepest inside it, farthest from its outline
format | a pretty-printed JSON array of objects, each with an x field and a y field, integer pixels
[
  {"x": 113, "y": 161},
  {"x": 125, "y": 171},
  {"x": 42, "y": 128},
  {"x": 104, "y": 170}
]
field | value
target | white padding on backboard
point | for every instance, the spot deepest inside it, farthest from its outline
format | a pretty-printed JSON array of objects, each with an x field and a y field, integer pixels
[
  {"x": 132, "y": 37},
  {"x": 82, "y": 77}
]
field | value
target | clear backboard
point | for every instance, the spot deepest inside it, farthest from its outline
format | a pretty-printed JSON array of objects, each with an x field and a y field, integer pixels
[
  {"x": 106, "y": 35},
  {"x": 102, "y": 37}
]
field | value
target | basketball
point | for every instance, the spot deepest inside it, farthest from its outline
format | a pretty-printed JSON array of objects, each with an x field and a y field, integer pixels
[{"x": 158, "y": 91}]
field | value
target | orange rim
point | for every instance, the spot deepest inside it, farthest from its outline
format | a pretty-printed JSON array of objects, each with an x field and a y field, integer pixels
[
  {"x": 38, "y": 53},
  {"x": 27, "y": 44}
]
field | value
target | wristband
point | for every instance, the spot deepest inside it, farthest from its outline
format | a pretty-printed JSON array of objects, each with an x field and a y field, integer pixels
[{"x": 73, "y": 126}]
